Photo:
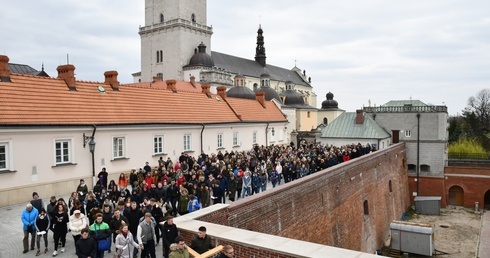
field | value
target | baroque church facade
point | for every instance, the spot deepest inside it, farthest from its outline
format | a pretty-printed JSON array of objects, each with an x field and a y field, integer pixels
[{"x": 176, "y": 44}]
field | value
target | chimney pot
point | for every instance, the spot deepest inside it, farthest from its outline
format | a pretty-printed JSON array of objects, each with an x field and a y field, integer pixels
[
  {"x": 111, "y": 79},
  {"x": 172, "y": 85},
  {"x": 4, "y": 69},
  {"x": 222, "y": 91},
  {"x": 260, "y": 97},
  {"x": 67, "y": 73},
  {"x": 206, "y": 88}
]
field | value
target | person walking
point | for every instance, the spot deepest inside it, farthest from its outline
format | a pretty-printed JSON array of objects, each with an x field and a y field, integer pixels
[
  {"x": 227, "y": 252},
  {"x": 86, "y": 246},
  {"x": 60, "y": 220},
  {"x": 101, "y": 233},
  {"x": 124, "y": 241},
  {"x": 28, "y": 218},
  {"x": 169, "y": 233},
  {"x": 202, "y": 242},
  {"x": 182, "y": 251},
  {"x": 42, "y": 229},
  {"x": 78, "y": 221},
  {"x": 146, "y": 236}
]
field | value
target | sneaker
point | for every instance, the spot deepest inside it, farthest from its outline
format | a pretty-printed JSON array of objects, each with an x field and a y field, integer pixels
[
  {"x": 62, "y": 249},
  {"x": 46, "y": 250},
  {"x": 55, "y": 253},
  {"x": 38, "y": 252}
]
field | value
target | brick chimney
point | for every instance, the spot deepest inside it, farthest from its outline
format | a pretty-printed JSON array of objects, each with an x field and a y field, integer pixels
[
  {"x": 172, "y": 85},
  {"x": 193, "y": 81},
  {"x": 206, "y": 88},
  {"x": 111, "y": 79},
  {"x": 4, "y": 69},
  {"x": 260, "y": 97},
  {"x": 222, "y": 91},
  {"x": 359, "y": 117},
  {"x": 67, "y": 73}
]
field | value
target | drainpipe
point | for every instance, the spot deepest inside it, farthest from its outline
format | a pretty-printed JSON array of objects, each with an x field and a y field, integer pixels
[
  {"x": 266, "y": 132},
  {"x": 93, "y": 155},
  {"x": 202, "y": 150},
  {"x": 418, "y": 152}
]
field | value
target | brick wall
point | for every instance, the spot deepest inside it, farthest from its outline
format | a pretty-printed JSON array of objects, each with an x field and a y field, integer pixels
[
  {"x": 473, "y": 179},
  {"x": 328, "y": 207}
]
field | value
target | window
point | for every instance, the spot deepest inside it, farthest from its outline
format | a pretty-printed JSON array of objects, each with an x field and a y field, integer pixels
[
  {"x": 308, "y": 114},
  {"x": 235, "y": 138},
  {"x": 366, "y": 208},
  {"x": 159, "y": 56},
  {"x": 254, "y": 137},
  {"x": 187, "y": 142},
  {"x": 390, "y": 186},
  {"x": 193, "y": 18},
  {"x": 119, "y": 148},
  {"x": 412, "y": 167},
  {"x": 408, "y": 133},
  {"x": 158, "y": 144},
  {"x": 425, "y": 168},
  {"x": 220, "y": 140},
  {"x": 62, "y": 151},
  {"x": 162, "y": 18},
  {"x": 4, "y": 156}
]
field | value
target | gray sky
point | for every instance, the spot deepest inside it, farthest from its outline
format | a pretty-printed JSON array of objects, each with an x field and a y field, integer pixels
[{"x": 378, "y": 50}]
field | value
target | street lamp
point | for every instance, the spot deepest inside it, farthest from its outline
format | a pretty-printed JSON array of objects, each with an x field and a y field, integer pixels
[{"x": 91, "y": 146}]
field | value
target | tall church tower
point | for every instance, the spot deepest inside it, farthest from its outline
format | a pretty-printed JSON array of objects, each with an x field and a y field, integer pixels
[{"x": 173, "y": 30}]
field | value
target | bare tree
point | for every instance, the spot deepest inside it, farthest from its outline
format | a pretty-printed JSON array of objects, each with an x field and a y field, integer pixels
[{"x": 477, "y": 112}]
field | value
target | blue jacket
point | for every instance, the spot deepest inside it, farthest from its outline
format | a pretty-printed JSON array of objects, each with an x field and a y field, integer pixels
[{"x": 29, "y": 217}]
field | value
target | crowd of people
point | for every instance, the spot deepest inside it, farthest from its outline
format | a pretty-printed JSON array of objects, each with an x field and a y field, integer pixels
[{"x": 137, "y": 211}]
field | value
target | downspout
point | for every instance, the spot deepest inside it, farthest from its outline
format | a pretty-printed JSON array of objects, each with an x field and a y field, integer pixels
[
  {"x": 418, "y": 152},
  {"x": 266, "y": 132},
  {"x": 202, "y": 150},
  {"x": 93, "y": 156}
]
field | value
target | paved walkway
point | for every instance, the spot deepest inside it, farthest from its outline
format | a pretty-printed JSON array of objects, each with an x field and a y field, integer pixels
[{"x": 484, "y": 251}]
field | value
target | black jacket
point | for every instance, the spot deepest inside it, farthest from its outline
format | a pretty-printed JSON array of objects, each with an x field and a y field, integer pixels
[
  {"x": 170, "y": 232},
  {"x": 86, "y": 247}
]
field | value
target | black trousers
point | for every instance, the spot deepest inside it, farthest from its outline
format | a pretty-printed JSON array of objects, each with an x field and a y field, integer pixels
[{"x": 149, "y": 248}]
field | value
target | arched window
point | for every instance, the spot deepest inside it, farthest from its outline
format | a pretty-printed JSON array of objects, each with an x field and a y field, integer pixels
[
  {"x": 325, "y": 121},
  {"x": 255, "y": 86},
  {"x": 366, "y": 208},
  {"x": 412, "y": 167},
  {"x": 160, "y": 75},
  {"x": 162, "y": 18},
  {"x": 193, "y": 18},
  {"x": 425, "y": 168}
]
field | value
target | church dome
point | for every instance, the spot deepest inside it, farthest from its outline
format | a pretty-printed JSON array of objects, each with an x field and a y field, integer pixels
[
  {"x": 241, "y": 92},
  {"x": 201, "y": 58},
  {"x": 330, "y": 103},
  {"x": 291, "y": 97}
]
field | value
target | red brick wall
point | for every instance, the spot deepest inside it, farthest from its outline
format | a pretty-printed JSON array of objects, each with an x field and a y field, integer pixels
[
  {"x": 428, "y": 186},
  {"x": 474, "y": 180},
  {"x": 327, "y": 207},
  {"x": 240, "y": 249},
  {"x": 474, "y": 186}
]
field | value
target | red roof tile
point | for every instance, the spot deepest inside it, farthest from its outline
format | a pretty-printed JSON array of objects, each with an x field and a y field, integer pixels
[{"x": 39, "y": 100}]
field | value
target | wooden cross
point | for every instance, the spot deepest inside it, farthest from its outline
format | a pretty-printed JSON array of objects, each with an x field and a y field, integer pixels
[{"x": 207, "y": 254}]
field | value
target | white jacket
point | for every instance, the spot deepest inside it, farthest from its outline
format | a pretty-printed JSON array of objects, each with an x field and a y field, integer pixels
[{"x": 77, "y": 224}]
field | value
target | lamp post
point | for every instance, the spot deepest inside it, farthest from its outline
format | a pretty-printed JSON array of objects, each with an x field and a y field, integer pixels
[{"x": 91, "y": 146}]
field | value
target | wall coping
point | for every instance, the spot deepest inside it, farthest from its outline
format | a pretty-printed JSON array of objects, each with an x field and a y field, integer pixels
[{"x": 287, "y": 246}]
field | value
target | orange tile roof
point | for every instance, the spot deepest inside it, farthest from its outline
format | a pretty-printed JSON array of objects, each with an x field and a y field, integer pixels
[
  {"x": 162, "y": 85},
  {"x": 29, "y": 100}
]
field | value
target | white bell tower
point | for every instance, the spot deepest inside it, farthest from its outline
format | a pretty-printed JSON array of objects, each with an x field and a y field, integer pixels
[{"x": 173, "y": 30}]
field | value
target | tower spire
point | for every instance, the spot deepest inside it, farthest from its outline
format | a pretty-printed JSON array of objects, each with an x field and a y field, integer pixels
[{"x": 260, "y": 49}]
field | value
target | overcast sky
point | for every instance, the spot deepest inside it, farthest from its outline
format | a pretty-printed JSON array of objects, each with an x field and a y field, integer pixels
[{"x": 362, "y": 51}]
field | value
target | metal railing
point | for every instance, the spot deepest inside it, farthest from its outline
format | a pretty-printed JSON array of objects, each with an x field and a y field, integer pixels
[
  {"x": 404, "y": 109},
  {"x": 467, "y": 155}
]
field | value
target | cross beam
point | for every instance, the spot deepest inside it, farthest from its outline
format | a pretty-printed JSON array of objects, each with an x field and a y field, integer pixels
[{"x": 207, "y": 254}]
